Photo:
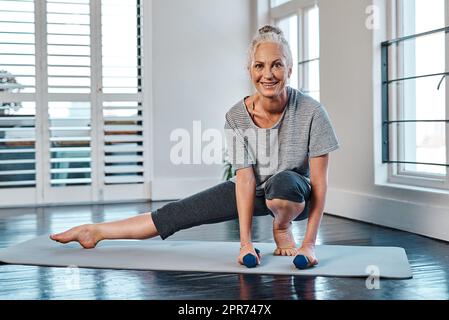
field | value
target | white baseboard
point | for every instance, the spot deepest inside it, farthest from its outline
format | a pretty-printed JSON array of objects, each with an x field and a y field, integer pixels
[
  {"x": 423, "y": 219},
  {"x": 173, "y": 189}
]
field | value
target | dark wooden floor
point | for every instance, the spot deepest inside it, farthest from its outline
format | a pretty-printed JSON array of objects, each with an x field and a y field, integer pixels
[{"x": 429, "y": 260}]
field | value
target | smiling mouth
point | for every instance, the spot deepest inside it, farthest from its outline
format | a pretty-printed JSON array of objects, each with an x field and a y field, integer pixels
[{"x": 269, "y": 84}]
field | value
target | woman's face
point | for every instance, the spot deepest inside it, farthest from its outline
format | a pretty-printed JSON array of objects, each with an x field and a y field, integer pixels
[{"x": 269, "y": 70}]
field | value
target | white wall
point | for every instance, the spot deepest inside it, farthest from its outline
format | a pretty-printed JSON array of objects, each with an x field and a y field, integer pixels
[
  {"x": 350, "y": 90},
  {"x": 198, "y": 72}
]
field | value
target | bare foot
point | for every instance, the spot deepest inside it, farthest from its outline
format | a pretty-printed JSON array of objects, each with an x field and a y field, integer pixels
[
  {"x": 87, "y": 235},
  {"x": 285, "y": 242}
]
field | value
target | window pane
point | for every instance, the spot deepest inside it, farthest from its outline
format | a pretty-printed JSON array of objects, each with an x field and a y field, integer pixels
[
  {"x": 313, "y": 83},
  {"x": 422, "y": 15},
  {"x": 290, "y": 28},
  {"x": 420, "y": 56},
  {"x": 70, "y": 127},
  {"x": 121, "y": 49},
  {"x": 315, "y": 95},
  {"x": 310, "y": 67},
  {"x": 423, "y": 141},
  {"x": 420, "y": 99},
  {"x": 313, "y": 33},
  {"x": 275, "y": 3}
]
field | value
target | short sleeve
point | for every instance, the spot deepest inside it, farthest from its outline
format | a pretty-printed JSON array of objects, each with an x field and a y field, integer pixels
[
  {"x": 237, "y": 147},
  {"x": 322, "y": 135}
]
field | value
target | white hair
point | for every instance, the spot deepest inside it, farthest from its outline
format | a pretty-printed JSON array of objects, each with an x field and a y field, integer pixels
[{"x": 271, "y": 34}]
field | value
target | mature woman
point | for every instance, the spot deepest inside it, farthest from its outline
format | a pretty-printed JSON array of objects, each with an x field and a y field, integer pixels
[{"x": 300, "y": 137}]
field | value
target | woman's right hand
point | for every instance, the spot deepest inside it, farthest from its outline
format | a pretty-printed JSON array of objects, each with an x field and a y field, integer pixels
[{"x": 245, "y": 249}]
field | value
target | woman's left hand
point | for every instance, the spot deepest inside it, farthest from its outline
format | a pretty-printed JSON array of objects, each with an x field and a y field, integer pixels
[{"x": 308, "y": 250}]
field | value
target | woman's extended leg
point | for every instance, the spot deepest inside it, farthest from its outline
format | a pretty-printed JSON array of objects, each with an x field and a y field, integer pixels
[
  {"x": 216, "y": 204},
  {"x": 88, "y": 235}
]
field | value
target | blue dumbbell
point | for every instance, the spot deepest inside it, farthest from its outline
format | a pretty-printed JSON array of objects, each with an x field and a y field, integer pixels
[
  {"x": 301, "y": 262},
  {"x": 250, "y": 260}
]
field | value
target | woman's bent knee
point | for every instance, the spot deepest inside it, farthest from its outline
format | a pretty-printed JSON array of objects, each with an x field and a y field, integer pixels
[{"x": 281, "y": 205}]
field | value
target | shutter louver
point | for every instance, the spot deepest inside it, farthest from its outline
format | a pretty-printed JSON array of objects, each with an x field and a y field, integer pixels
[
  {"x": 123, "y": 142},
  {"x": 70, "y": 139},
  {"x": 17, "y": 77},
  {"x": 68, "y": 38}
]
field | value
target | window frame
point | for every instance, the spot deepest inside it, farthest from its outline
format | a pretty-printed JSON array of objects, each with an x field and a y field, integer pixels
[{"x": 396, "y": 173}]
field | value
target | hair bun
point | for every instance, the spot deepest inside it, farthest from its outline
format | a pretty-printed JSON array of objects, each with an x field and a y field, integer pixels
[{"x": 270, "y": 29}]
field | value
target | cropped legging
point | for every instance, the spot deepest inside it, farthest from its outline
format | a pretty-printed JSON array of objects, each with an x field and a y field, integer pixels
[{"x": 218, "y": 203}]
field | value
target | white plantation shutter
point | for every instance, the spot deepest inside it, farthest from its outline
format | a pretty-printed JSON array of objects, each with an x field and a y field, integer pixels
[
  {"x": 72, "y": 120},
  {"x": 121, "y": 92},
  {"x": 17, "y": 95},
  {"x": 69, "y": 73}
]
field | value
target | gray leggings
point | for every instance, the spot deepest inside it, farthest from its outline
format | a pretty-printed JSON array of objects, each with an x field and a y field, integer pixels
[{"x": 218, "y": 203}]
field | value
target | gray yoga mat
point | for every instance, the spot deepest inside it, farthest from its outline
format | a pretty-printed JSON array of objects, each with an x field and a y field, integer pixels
[{"x": 208, "y": 256}]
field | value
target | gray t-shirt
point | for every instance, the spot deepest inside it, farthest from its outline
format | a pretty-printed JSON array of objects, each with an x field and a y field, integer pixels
[{"x": 303, "y": 131}]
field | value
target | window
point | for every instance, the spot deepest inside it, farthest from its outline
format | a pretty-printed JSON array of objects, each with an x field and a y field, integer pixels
[
  {"x": 415, "y": 94},
  {"x": 71, "y": 101},
  {"x": 301, "y": 28}
]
